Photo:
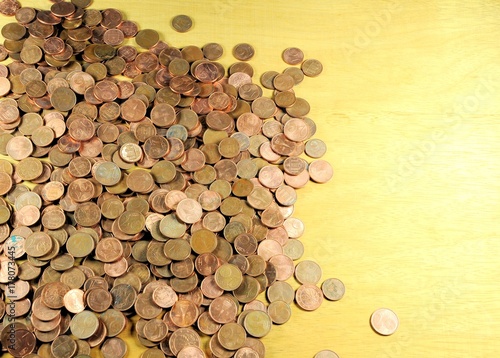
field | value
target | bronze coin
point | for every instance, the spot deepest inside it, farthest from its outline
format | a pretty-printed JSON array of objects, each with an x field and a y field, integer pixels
[
  {"x": 243, "y": 51},
  {"x": 384, "y": 321},
  {"x": 182, "y": 23},
  {"x": 293, "y": 56}
]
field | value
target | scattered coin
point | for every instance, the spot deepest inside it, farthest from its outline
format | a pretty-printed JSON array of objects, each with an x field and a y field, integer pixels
[
  {"x": 182, "y": 23},
  {"x": 333, "y": 289},
  {"x": 315, "y": 148},
  {"x": 243, "y": 51},
  {"x": 384, "y": 321},
  {"x": 309, "y": 297},
  {"x": 326, "y": 354},
  {"x": 312, "y": 67},
  {"x": 293, "y": 56},
  {"x": 308, "y": 272}
]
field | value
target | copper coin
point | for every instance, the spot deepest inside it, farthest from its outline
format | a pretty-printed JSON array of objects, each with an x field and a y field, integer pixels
[
  {"x": 243, "y": 51},
  {"x": 293, "y": 56},
  {"x": 333, "y": 289},
  {"x": 315, "y": 148},
  {"x": 213, "y": 51},
  {"x": 384, "y": 321},
  {"x": 114, "y": 348},
  {"x": 182, "y": 23},
  {"x": 309, "y": 297},
  {"x": 308, "y": 271},
  {"x": 312, "y": 67},
  {"x": 320, "y": 171},
  {"x": 326, "y": 354},
  {"x": 24, "y": 343}
]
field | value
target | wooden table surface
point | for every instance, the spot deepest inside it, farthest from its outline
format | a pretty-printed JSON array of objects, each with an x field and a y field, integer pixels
[{"x": 409, "y": 106}]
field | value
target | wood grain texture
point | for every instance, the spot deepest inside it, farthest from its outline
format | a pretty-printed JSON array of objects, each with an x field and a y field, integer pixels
[{"x": 409, "y": 106}]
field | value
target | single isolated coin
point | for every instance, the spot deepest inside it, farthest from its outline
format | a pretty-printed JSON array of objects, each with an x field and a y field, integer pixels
[
  {"x": 182, "y": 23},
  {"x": 326, "y": 353},
  {"x": 384, "y": 321}
]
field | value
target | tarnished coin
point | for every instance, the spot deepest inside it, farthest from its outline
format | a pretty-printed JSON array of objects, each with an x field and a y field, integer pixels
[
  {"x": 257, "y": 323},
  {"x": 333, "y": 289},
  {"x": 315, "y": 148},
  {"x": 228, "y": 277},
  {"x": 243, "y": 51},
  {"x": 308, "y": 271},
  {"x": 231, "y": 336},
  {"x": 84, "y": 324},
  {"x": 182, "y": 23},
  {"x": 279, "y": 312}
]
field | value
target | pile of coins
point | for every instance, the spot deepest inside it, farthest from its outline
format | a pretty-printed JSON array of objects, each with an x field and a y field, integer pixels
[{"x": 149, "y": 185}]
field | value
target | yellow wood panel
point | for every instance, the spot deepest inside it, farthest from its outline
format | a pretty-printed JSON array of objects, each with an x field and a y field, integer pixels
[{"x": 408, "y": 105}]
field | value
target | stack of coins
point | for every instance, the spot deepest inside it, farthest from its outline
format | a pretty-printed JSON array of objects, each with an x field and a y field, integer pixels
[{"x": 147, "y": 181}]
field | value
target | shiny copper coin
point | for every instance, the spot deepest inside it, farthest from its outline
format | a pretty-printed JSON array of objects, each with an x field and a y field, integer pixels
[
  {"x": 384, "y": 321},
  {"x": 184, "y": 313},
  {"x": 309, "y": 297},
  {"x": 320, "y": 171}
]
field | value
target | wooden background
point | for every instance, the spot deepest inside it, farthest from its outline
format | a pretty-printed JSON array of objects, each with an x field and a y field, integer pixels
[{"x": 409, "y": 106}]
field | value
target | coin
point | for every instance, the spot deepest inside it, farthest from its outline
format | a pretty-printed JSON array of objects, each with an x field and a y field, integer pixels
[
  {"x": 312, "y": 67},
  {"x": 223, "y": 310},
  {"x": 63, "y": 346},
  {"x": 293, "y": 56},
  {"x": 228, "y": 277},
  {"x": 320, "y": 171},
  {"x": 243, "y": 51},
  {"x": 213, "y": 51},
  {"x": 114, "y": 348},
  {"x": 308, "y": 272},
  {"x": 183, "y": 337},
  {"x": 84, "y": 324},
  {"x": 73, "y": 300},
  {"x": 279, "y": 312},
  {"x": 326, "y": 354},
  {"x": 309, "y": 297},
  {"x": 182, "y": 23},
  {"x": 147, "y": 38},
  {"x": 333, "y": 289},
  {"x": 231, "y": 336},
  {"x": 257, "y": 323},
  {"x": 315, "y": 148},
  {"x": 384, "y": 321}
]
